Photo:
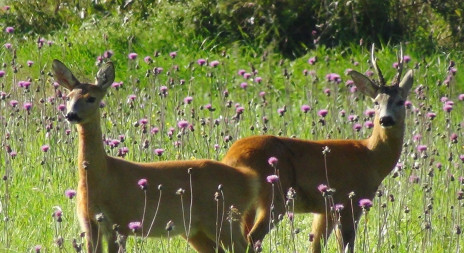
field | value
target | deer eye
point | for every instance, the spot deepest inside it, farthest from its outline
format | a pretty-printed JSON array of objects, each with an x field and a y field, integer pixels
[
  {"x": 400, "y": 103},
  {"x": 91, "y": 99},
  {"x": 376, "y": 103}
]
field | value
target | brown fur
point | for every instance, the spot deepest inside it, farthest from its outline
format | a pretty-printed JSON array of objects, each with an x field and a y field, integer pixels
[
  {"x": 108, "y": 185},
  {"x": 357, "y": 166}
]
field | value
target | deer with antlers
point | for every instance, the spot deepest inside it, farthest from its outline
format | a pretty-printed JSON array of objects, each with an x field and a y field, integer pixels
[
  {"x": 109, "y": 194},
  {"x": 357, "y": 166}
]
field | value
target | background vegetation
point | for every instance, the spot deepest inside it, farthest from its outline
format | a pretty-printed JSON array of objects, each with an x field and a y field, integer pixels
[{"x": 419, "y": 206}]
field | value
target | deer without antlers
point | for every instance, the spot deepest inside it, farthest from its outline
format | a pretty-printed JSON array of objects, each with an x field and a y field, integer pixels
[
  {"x": 108, "y": 185},
  {"x": 357, "y": 166}
]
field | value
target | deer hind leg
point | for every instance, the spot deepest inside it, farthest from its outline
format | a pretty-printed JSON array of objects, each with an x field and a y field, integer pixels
[
  {"x": 202, "y": 243},
  {"x": 321, "y": 228},
  {"x": 348, "y": 230}
]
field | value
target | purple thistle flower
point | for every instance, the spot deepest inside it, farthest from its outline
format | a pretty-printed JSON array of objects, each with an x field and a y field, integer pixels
[
  {"x": 2, "y": 73},
  {"x": 290, "y": 216},
  {"x": 143, "y": 184},
  {"x": 7, "y": 45},
  {"x": 27, "y": 106},
  {"x": 395, "y": 65},
  {"x": 349, "y": 83},
  {"x": 45, "y": 148},
  {"x": 443, "y": 99},
  {"x": 154, "y": 130},
  {"x": 239, "y": 110},
  {"x": 70, "y": 193},
  {"x": 431, "y": 115},
  {"x": 368, "y": 124},
  {"x": 131, "y": 98},
  {"x": 312, "y": 60},
  {"x": 322, "y": 113},
  {"x": 243, "y": 85},
  {"x": 201, "y": 62},
  {"x": 14, "y": 103},
  {"x": 406, "y": 58},
  {"x": 332, "y": 77},
  {"x": 322, "y": 188},
  {"x": 413, "y": 179},
  {"x": 241, "y": 72},
  {"x": 369, "y": 113},
  {"x": 147, "y": 59},
  {"x": 182, "y": 124},
  {"x": 108, "y": 53},
  {"x": 461, "y": 157},
  {"x": 29, "y": 63},
  {"x": 357, "y": 127},
  {"x": 6, "y": 8},
  {"x": 305, "y": 108},
  {"x": 247, "y": 75},
  {"x": 132, "y": 56},
  {"x": 37, "y": 248},
  {"x": 421, "y": 148},
  {"x": 407, "y": 104},
  {"x": 272, "y": 179},
  {"x": 369, "y": 73},
  {"x": 188, "y": 100},
  {"x": 272, "y": 161},
  {"x": 339, "y": 207},
  {"x": 454, "y": 138},
  {"x": 13, "y": 154},
  {"x": 159, "y": 151},
  {"x": 135, "y": 225},
  {"x": 342, "y": 113},
  {"x": 460, "y": 97},
  {"x": 143, "y": 121},
  {"x": 9, "y": 29},
  {"x": 447, "y": 108},
  {"x": 61, "y": 107},
  {"x": 214, "y": 64},
  {"x": 173, "y": 54},
  {"x": 262, "y": 94},
  {"x": 327, "y": 91},
  {"x": 365, "y": 204},
  {"x": 258, "y": 79}
]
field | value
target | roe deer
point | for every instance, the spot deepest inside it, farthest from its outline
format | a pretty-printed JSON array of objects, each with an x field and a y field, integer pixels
[
  {"x": 109, "y": 185},
  {"x": 357, "y": 166}
]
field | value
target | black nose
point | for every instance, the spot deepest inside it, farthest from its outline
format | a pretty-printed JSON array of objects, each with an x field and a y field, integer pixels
[
  {"x": 72, "y": 116},
  {"x": 387, "y": 121}
]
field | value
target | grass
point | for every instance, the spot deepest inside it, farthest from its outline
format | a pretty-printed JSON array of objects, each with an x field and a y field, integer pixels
[{"x": 411, "y": 215}]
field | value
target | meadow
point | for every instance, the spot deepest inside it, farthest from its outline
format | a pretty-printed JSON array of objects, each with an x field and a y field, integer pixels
[{"x": 224, "y": 93}]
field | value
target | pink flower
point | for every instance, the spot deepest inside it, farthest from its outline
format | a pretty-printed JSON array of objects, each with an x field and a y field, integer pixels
[
  {"x": 9, "y": 29},
  {"x": 243, "y": 85},
  {"x": 369, "y": 113},
  {"x": 365, "y": 204},
  {"x": 159, "y": 151},
  {"x": 272, "y": 161},
  {"x": 143, "y": 184},
  {"x": 29, "y": 63},
  {"x": 27, "y": 106},
  {"x": 368, "y": 124},
  {"x": 173, "y": 54},
  {"x": 312, "y": 60},
  {"x": 322, "y": 188},
  {"x": 322, "y": 113},
  {"x": 241, "y": 72},
  {"x": 188, "y": 100},
  {"x": 135, "y": 225},
  {"x": 201, "y": 62},
  {"x": 70, "y": 193},
  {"x": 132, "y": 56},
  {"x": 214, "y": 64},
  {"x": 406, "y": 58},
  {"x": 460, "y": 97},
  {"x": 431, "y": 115},
  {"x": 305, "y": 108},
  {"x": 272, "y": 179},
  {"x": 258, "y": 79},
  {"x": 147, "y": 59},
  {"x": 7, "y": 45},
  {"x": 182, "y": 124},
  {"x": 357, "y": 127},
  {"x": 2, "y": 73},
  {"x": 447, "y": 108},
  {"x": 421, "y": 148}
]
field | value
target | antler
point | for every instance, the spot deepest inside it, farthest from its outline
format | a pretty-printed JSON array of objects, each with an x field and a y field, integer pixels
[
  {"x": 376, "y": 67},
  {"x": 397, "y": 78}
]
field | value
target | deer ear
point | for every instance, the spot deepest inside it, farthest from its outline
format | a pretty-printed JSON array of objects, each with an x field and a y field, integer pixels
[
  {"x": 364, "y": 84},
  {"x": 63, "y": 75},
  {"x": 105, "y": 76},
  {"x": 406, "y": 83}
]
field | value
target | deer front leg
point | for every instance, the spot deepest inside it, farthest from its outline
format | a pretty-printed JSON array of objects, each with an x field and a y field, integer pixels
[
  {"x": 93, "y": 240},
  {"x": 321, "y": 229}
]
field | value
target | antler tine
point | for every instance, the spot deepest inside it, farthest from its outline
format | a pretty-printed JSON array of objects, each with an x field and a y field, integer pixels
[
  {"x": 376, "y": 67},
  {"x": 400, "y": 66}
]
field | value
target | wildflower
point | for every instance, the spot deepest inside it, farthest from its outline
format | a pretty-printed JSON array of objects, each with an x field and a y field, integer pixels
[
  {"x": 201, "y": 62},
  {"x": 29, "y": 63},
  {"x": 143, "y": 184},
  {"x": 322, "y": 188},
  {"x": 368, "y": 124},
  {"x": 258, "y": 79},
  {"x": 241, "y": 72},
  {"x": 37, "y": 248},
  {"x": 461, "y": 157},
  {"x": 454, "y": 138},
  {"x": 182, "y": 124},
  {"x": 247, "y": 75},
  {"x": 243, "y": 85},
  {"x": 281, "y": 111},
  {"x": 239, "y": 110},
  {"x": 262, "y": 94},
  {"x": 460, "y": 97},
  {"x": 13, "y": 103},
  {"x": 132, "y": 56},
  {"x": 431, "y": 115},
  {"x": 305, "y": 108},
  {"x": 312, "y": 60},
  {"x": 2, "y": 73},
  {"x": 342, "y": 113},
  {"x": 272, "y": 161},
  {"x": 131, "y": 98},
  {"x": 407, "y": 104},
  {"x": 421, "y": 148},
  {"x": 365, "y": 204},
  {"x": 108, "y": 54},
  {"x": 143, "y": 121},
  {"x": 147, "y": 59},
  {"x": 369, "y": 113},
  {"x": 406, "y": 58},
  {"x": 70, "y": 194},
  {"x": 417, "y": 137},
  {"x": 154, "y": 130},
  {"x": 447, "y": 108},
  {"x": 45, "y": 148},
  {"x": 332, "y": 77},
  {"x": 290, "y": 216},
  {"x": 61, "y": 107},
  {"x": 322, "y": 113},
  {"x": 357, "y": 127},
  {"x": 173, "y": 54},
  {"x": 7, "y": 45},
  {"x": 188, "y": 100},
  {"x": 395, "y": 65},
  {"x": 369, "y": 73},
  {"x": 414, "y": 179},
  {"x": 9, "y": 29},
  {"x": 214, "y": 64},
  {"x": 135, "y": 225},
  {"x": 158, "y": 70},
  {"x": 159, "y": 151},
  {"x": 272, "y": 179},
  {"x": 327, "y": 91}
]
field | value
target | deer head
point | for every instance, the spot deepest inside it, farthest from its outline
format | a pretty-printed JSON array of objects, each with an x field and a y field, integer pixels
[
  {"x": 84, "y": 98},
  {"x": 388, "y": 100}
]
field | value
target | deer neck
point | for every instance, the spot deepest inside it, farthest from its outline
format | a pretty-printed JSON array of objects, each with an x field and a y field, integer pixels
[
  {"x": 91, "y": 154},
  {"x": 386, "y": 144}
]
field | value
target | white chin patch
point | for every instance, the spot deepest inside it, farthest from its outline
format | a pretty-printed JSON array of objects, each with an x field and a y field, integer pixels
[{"x": 386, "y": 127}]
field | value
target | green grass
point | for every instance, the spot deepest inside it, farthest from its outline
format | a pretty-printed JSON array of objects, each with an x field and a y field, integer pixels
[{"x": 37, "y": 180}]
